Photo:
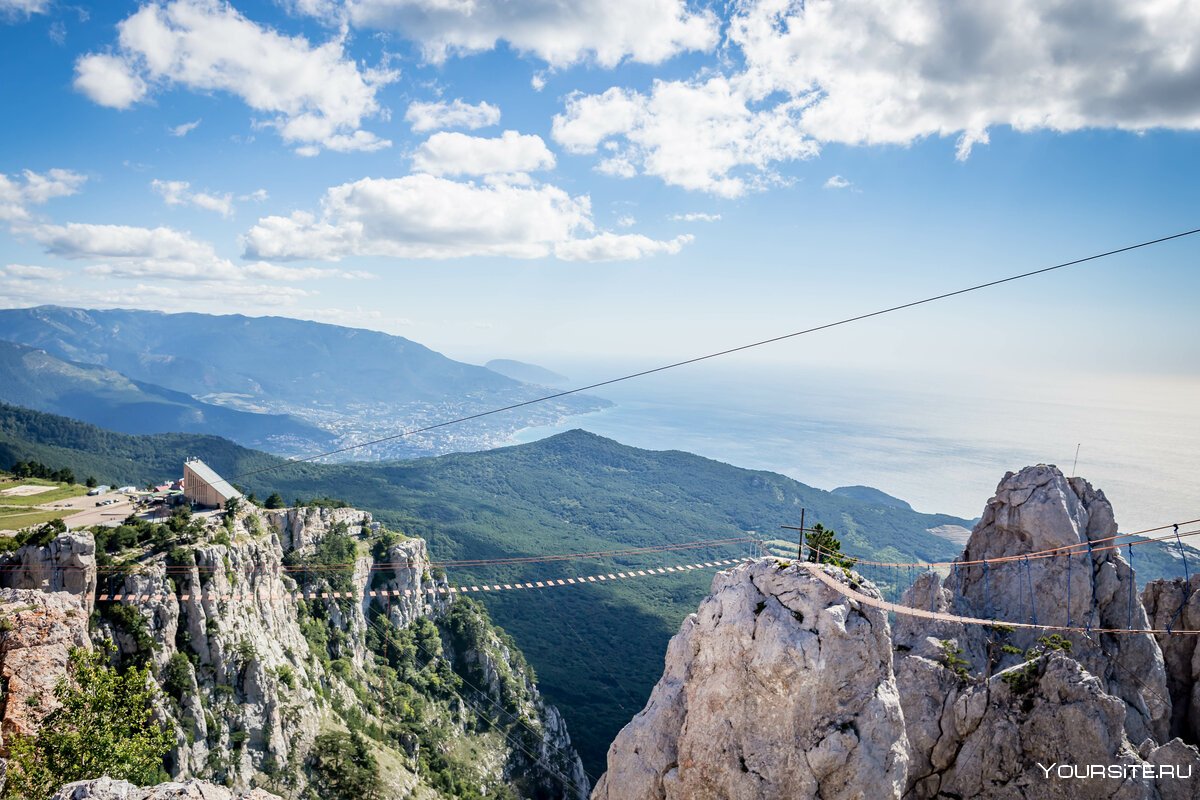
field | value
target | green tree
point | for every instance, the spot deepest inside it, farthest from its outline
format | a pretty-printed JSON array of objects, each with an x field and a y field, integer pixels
[
  {"x": 343, "y": 768},
  {"x": 91, "y": 482},
  {"x": 104, "y": 726},
  {"x": 825, "y": 548},
  {"x": 274, "y": 501}
]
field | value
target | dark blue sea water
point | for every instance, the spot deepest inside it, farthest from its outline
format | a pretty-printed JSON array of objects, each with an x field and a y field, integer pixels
[{"x": 941, "y": 445}]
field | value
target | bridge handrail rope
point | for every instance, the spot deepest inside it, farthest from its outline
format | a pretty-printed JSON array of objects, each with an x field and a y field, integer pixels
[
  {"x": 142, "y": 568},
  {"x": 940, "y": 616},
  {"x": 433, "y": 590}
]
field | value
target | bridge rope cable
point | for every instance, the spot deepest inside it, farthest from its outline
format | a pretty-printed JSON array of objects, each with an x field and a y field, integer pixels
[
  {"x": 442, "y": 589},
  {"x": 729, "y": 351},
  {"x": 1041, "y": 554},
  {"x": 537, "y": 759},
  {"x": 941, "y": 616},
  {"x": 173, "y": 569}
]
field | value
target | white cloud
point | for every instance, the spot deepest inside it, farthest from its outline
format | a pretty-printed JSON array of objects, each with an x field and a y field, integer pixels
[
  {"x": 460, "y": 154},
  {"x": 258, "y": 196},
  {"x": 695, "y": 216},
  {"x": 23, "y": 8},
  {"x": 432, "y": 116},
  {"x": 882, "y": 72},
  {"x": 837, "y": 182},
  {"x": 109, "y": 81},
  {"x": 703, "y": 135},
  {"x": 870, "y": 72},
  {"x": 185, "y": 128},
  {"x": 560, "y": 32},
  {"x": 425, "y": 216},
  {"x": 35, "y": 188},
  {"x": 125, "y": 251},
  {"x": 626, "y": 221},
  {"x": 178, "y": 193},
  {"x": 29, "y": 272},
  {"x": 315, "y": 96},
  {"x": 618, "y": 247}
]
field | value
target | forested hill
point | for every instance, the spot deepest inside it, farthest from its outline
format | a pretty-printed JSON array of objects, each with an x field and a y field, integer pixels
[{"x": 597, "y": 649}]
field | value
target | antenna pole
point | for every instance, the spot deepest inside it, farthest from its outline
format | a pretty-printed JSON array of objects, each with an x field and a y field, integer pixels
[{"x": 1076, "y": 462}]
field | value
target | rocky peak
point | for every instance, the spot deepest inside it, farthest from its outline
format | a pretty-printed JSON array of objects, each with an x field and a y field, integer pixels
[
  {"x": 66, "y": 564},
  {"x": 1035, "y": 510},
  {"x": 778, "y": 687}
]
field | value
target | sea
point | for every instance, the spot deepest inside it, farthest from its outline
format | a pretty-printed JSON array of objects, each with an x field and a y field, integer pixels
[{"x": 941, "y": 444}]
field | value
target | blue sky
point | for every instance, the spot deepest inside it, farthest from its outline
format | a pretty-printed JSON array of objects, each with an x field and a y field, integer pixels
[{"x": 679, "y": 177}]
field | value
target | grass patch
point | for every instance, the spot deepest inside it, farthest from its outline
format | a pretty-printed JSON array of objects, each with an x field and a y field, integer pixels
[
  {"x": 63, "y": 492},
  {"x": 13, "y": 519}
]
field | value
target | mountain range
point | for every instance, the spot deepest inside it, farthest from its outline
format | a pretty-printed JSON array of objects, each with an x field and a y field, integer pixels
[{"x": 151, "y": 372}]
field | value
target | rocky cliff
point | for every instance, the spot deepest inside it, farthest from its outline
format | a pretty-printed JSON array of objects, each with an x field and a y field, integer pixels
[
  {"x": 1175, "y": 605},
  {"x": 256, "y": 666},
  {"x": 777, "y": 687},
  {"x": 785, "y": 685}
]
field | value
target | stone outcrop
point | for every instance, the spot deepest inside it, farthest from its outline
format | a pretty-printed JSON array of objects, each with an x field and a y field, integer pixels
[
  {"x": 1169, "y": 603},
  {"x": 1035, "y": 510},
  {"x": 778, "y": 687},
  {"x": 761, "y": 686},
  {"x": 256, "y": 675},
  {"x": 108, "y": 789},
  {"x": 66, "y": 564},
  {"x": 37, "y": 632},
  {"x": 304, "y": 526},
  {"x": 987, "y": 740}
]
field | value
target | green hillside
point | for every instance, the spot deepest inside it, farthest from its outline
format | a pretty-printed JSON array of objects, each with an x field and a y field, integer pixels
[
  {"x": 597, "y": 649},
  {"x": 35, "y": 379}
]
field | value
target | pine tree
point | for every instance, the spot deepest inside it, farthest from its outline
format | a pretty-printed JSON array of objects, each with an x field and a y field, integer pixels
[{"x": 825, "y": 548}]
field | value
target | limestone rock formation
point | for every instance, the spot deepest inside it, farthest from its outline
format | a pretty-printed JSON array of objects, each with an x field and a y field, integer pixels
[
  {"x": 778, "y": 687},
  {"x": 1176, "y": 605},
  {"x": 108, "y": 789},
  {"x": 37, "y": 632},
  {"x": 991, "y": 737},
  {"x": 1033, "y": 511},
  {"x": 66, "y": 564},
  {"x": 304, "y": 526}
]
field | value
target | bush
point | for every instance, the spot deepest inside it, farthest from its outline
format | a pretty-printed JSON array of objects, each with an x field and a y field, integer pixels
[
  {"x": 177, "y": 676},
  {"x": 343, "y": 768},
  {"x": 104, "y": 726},
  {"x": 274, "y": 500}
]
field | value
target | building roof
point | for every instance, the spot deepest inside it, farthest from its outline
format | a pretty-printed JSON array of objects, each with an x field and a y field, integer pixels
[{"x": 206, "y": 473}]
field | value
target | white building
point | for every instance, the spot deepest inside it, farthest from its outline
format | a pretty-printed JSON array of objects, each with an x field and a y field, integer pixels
[{"x": 204, "y": 487}]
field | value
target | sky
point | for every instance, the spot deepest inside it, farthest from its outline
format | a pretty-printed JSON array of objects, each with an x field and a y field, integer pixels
[{"x": 634, "y": 180}]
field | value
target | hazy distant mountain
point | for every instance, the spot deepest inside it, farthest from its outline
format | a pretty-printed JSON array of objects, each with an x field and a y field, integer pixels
[
  {"x": 35, "y": 379},
  {"x": 357, "y": 384},
  {"x": 869, "y": 494},
  {"x": 270, "y": 357},
  {"x": 529, "y": 373}
]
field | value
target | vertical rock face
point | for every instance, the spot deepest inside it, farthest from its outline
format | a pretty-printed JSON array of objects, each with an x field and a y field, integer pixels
[
  {"x": 778, "y": 687},
  {"x": 37, "y": 631},
  {"x": 66, "y": 564},
  {"x": 1171, "y": 603},
  {"x": 1035, "y": 510},
  {"x": 996, "y": 740},
  {"x": 304, "y": 526}
]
